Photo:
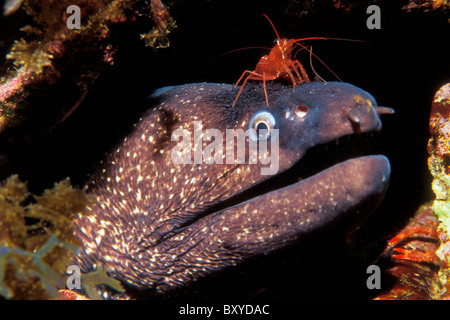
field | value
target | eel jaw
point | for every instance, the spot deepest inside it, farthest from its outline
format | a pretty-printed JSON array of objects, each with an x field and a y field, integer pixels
[{"x": 274, "y": 220}]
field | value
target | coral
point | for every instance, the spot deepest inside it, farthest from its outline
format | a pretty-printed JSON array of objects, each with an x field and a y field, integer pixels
[
  {"x": 300, "y": 8},
  {"x": 439, "y": 166},
  {"x": 158, "y": 37},
  {"x": 421, "y": 250},
  {"x": 425, "y": 5},
  {"x": 31, "y": 56},
  {"x": 413, "y": 259},
  {"x": 439, "y": 149},
  {"x": 47, "y": 57},
  {"x": 347, "y": 6},
  {"x": 70, "y": 295},
  {"x": 37, "y": 240}
]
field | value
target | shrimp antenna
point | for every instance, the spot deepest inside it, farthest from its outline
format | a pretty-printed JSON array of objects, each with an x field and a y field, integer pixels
[
  {"x": 320, "y": 60},
  {"x": 274, "y": 29},
  {"x": 241, "y": 49},
  {"x": 312, "y": 67}
]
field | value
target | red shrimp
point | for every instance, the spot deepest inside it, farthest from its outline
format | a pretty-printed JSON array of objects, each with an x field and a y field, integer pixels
[{"x": 278, "y": 63}]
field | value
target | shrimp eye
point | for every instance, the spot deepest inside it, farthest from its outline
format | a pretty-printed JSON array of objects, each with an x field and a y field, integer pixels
[
  {"x": 301, "y": 111},
  {"x": 261, "y": 124}
]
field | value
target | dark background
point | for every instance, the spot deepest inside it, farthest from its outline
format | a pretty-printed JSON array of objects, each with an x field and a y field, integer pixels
[{"x": 402, "y": 66}]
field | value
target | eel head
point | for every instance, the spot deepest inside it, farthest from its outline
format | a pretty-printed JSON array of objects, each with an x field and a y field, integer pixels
[{"x": 161, "y": 223}]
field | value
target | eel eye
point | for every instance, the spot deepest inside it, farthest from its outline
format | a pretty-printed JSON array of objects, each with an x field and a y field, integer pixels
[
  {"x": 301, "y": 111},
  {"x": 261, "y": 123}
]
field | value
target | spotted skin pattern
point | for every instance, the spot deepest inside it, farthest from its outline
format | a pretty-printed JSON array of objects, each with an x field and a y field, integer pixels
[{"x": 159, "y": 226}]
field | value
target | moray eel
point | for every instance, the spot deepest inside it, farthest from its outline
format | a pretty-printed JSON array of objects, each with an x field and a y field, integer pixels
[{"x": 159, "y": 225}]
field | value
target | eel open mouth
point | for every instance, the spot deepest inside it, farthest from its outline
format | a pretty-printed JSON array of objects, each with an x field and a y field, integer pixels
[
  {"x": 317, "y": 160},
  {"x": 325, "y": 159},
  {"x": 281, "y": 210}
]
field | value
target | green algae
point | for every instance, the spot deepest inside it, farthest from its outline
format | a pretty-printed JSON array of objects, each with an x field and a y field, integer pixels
[
  {"x": 99, "y": 276},
  {"x": 37, "y": 241}
]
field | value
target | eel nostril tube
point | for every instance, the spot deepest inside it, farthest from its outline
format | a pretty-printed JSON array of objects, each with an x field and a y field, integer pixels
[{"x": 384, "y": 110}]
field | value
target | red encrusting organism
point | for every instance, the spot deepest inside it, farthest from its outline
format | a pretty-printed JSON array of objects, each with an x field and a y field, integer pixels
[
  {"x": 414, "y": 262},
  {"x": 278, "y": 63}
]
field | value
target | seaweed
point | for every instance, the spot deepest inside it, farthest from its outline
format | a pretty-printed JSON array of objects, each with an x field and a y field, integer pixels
[
  {"x": 47, "y": 57},
  {"x": 157, "y": 38},
  {"x": 37, "y": 240}
]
